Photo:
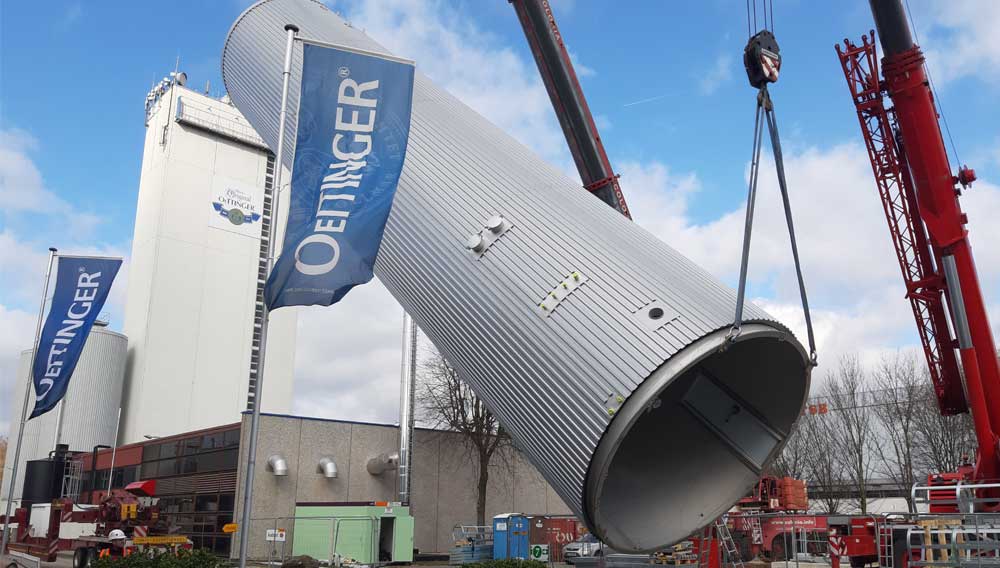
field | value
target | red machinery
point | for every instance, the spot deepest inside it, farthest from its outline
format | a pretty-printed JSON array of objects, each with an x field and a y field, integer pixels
[
  {"x": 776, "y": 495},
  {"x": 773, "y": 515},
  {"x": 920, "y": 195},
  {"x": 132, "y": 510}
]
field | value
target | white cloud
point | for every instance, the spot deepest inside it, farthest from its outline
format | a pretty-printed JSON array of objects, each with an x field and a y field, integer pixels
[
  {"x": 13, "y": 324},
  {"x": 22, "y": 188},
  {"x": 717, "y": 75},
  {"x": 960, "y": 38},
  {"x": 580, "y": 69},
  {"x": 468, "y": 62},
  {"x": 348, "y": 357},
  {"x": 855, "y": 289},
  {"x": 24, "y": 255}
]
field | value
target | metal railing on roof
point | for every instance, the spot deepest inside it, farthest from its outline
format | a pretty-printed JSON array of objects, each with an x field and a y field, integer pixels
[{"x": 224, "y": 124}]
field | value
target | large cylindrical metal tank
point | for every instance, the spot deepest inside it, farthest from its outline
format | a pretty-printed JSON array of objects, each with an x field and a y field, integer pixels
[
  {"x": 602, "y": 350},
  {"x": 43, "y": 479},
  {"x": 40, "y": 476},
  {"x": 91, "y": 403}
]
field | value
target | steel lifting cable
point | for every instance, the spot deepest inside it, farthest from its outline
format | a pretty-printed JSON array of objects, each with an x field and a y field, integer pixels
[{"x": 765, "y": 109}]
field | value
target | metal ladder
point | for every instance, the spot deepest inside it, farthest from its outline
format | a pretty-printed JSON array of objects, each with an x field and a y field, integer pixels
[
  {"x": 886, "y": 556},
  {"x": 72, "y": 478},
  {"x": 730, "y": 554},
  {"x": 756, "y": 531}
]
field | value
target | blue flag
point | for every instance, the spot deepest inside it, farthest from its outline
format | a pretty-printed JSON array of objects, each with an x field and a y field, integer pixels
[
  {"x": 82, "y": 286},
  {"x": 354, "y": 121}
]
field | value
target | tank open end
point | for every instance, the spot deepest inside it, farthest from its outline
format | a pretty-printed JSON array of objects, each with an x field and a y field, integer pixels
[{"x": 694, "y": 437}]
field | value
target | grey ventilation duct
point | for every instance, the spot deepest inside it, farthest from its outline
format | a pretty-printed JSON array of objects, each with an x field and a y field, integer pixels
[
  {"x": 277, "y": 465},
  {"x": 327, "y": 467},
  {"x": 382, "y": 463},
  {"x": 407, "y": 399},
  {"x": 602, "y": 351}
]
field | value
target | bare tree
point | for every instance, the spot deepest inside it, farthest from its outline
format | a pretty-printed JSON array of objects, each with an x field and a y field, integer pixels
[
  {"x": 448, "y": 402},
  {"x": 854, "y": 425},
  {"x": 792, "y": 461},
  {"x": 896, "y": 404},
  {"x": 823, "y": 470},
  {"x": 943, "y": 443}
]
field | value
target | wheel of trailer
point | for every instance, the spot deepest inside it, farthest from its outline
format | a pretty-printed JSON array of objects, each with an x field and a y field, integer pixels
[
  {"x": 744, "y": 546},
  {"x": 863, "y": 561},
  {"x": 81, "y": 557},
  {"x": 778, "y": 548}
]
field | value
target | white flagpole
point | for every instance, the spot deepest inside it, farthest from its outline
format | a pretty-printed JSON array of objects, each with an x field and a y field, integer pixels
[
  {"x": 244, "y": 526},
  {"x": 59, "y": 421},
  {"x": 24, "y": 407},
  {"x": 114, "y": 449}
]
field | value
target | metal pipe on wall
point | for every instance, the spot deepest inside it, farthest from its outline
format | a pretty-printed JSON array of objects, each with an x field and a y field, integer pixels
[
  {"x": 587, "y": 337},
  {"x": 382, "y": 463},
  {"x": 407, "y": 396},
  {"x": 327, "y": 467}
]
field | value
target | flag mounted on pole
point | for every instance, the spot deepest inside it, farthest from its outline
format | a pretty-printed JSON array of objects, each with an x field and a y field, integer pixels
[
  {"x": 82, "y": 286},
  {"x": 354, "y": 121}
]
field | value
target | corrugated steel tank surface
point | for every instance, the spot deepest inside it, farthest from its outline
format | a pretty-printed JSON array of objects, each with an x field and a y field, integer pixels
[
  {"x": 618, "y": 389},
  {"x": 91, "y": 402}
]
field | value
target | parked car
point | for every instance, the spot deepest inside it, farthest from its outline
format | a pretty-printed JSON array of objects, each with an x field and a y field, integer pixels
[{"x": 585, "y": 546}]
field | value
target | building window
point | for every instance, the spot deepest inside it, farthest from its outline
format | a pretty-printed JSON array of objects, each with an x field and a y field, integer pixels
[
  {"x": 201, "y": 517},
  {"x": 198, "y": 515},
  {"x": 218, "y": 451}
]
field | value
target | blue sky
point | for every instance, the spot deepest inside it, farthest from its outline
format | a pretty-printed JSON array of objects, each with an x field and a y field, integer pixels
[
  {"x": 73, "y": 76},
  {"x": 76, "y": 79}
]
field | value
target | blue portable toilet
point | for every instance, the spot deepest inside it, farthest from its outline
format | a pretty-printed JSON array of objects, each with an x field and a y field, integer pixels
[{"x": 510, "y": 536}]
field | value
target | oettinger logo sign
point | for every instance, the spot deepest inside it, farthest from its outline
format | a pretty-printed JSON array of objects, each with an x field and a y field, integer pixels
[{"x": 236, "y": 206}]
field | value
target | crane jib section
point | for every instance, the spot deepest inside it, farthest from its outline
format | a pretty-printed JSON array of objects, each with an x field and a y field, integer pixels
[{"x": 925, "y": 287}]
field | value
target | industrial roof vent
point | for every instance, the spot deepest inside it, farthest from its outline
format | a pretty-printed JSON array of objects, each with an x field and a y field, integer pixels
[
  {"x": 382, "y": 463},
  {"x": 601, "y": 350},
  {"x": 327, "y": 467},
  {"x": 278, "y": 465}
]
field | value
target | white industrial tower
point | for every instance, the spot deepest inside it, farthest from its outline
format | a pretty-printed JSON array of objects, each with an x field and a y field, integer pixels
[{"x": 196, "y": 271}]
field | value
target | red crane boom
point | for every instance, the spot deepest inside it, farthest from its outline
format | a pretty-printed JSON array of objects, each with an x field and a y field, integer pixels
[
  {"x": 571, "y": 108},
  {"x": 925, "y": 286},
  {"x": 920, "y": 197}
]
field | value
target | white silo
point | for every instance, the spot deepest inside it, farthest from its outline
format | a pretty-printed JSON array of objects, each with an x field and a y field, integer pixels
[{"x": 91, "y": 404}]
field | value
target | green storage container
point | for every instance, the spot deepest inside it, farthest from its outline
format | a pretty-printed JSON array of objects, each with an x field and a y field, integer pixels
[{"x": 365, "y": 533}]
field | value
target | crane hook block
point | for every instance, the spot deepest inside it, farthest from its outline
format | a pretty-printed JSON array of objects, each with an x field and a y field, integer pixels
[{"x": 762, "y": 59}]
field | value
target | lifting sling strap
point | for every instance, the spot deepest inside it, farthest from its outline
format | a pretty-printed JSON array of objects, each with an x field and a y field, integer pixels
[{"x": 763, "y": 62}]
